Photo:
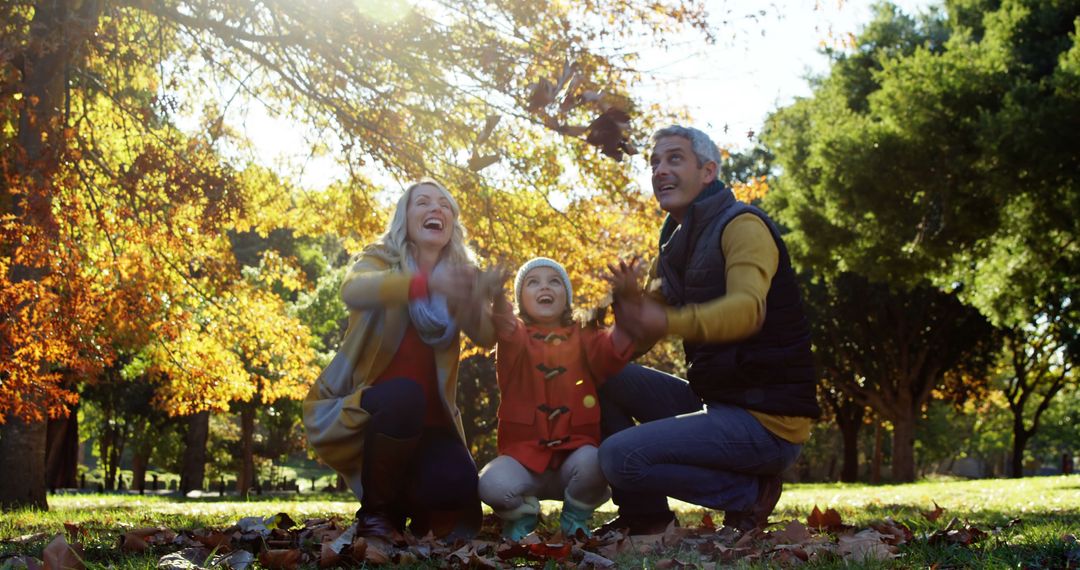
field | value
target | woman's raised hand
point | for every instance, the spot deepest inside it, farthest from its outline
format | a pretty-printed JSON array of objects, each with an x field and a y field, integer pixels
[{"x": 455, "y": 282}]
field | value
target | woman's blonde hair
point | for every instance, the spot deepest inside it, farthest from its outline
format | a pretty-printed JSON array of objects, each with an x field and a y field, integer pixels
[{"x": 394, "y": 244}]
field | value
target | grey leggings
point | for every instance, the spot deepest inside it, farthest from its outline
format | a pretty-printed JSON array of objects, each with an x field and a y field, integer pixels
[{"x": 505, "y": 483}]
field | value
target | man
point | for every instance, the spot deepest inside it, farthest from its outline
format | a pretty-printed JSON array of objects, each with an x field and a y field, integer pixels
[{"x": 727, "y": 288}]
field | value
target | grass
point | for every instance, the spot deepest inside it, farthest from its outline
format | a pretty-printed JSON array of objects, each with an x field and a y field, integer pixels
[{"x": 1047, "y": 508}]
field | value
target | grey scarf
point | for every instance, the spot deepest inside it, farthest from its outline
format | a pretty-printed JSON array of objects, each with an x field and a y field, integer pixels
[{"x": 431, "y": 316}]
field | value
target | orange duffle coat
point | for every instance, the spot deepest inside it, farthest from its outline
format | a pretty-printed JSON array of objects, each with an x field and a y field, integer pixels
[{"x": 548, "y": 380}]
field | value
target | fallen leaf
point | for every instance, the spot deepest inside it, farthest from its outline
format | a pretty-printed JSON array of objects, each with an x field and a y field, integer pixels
[
  {"x": 59, "y": 555},
  {"x": 866, "y": 545},
  {"x": 593, "y": 560},
  {"x": 28, "y": 538},
  {"x": 280, "y": 559},
  {"x": 896, "y": 532},
  {"x": 707, "y": 522},
  {"x": 934, "y": 514},
  {"x": 829, "y": 520},
  {"x": 132, "y": 542},
  {"x": 187, "y": 559},
  {"x": 20, "y": 562},
  {"x": 327, "y": 556},
  {"x": 794, "y": 533}
]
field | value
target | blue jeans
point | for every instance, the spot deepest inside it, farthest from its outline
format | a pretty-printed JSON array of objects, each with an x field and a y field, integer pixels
[{"x": 706, "y": 453}]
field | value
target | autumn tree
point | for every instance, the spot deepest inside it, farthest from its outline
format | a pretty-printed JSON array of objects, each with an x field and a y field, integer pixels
[{"x": 91, "y": 94}]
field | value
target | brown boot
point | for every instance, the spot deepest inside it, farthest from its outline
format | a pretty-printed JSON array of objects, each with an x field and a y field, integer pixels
[
  {"x": 385, "y": 464},
  {"x": 757, "y": 516},
  {"x": 448, "y": 525}
]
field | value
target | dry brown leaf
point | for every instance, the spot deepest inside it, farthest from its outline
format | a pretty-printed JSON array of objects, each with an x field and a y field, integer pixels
[
  {"x": 829, "y": 520},
  {"x": 478, "y": 163},
  {"x": 593, "y": 560},
  {"x": 327, "y": 556},
  {"x": 934, "y": 514},
  {"x": 132, "y": 542},
  {"x": 794, "y": 533},
  {"x": 20, "y": 562},
  {"x": 280, "y": 559},
  {"x": 866, "y": 545},
  {"x": 59, "y": 555},
  {"x": 896, "y": 532},
  {"x": 214, "y": 540}
]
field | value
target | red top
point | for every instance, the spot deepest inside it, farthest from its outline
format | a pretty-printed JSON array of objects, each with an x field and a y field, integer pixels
[{"x": 415, "y": 361}]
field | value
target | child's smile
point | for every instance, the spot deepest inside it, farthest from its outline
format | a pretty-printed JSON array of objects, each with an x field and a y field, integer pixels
[{"x": 543, "y": 296}]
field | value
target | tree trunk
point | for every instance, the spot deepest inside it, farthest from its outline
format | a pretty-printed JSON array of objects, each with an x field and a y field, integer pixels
[
  {"x": 247, "y": 452},
  {"x": 903, "y": 449},
  {"x": 193, "y": 470},
  {"x": 22, "y": 470},
  {"x": 1020, "y": 439},
  {"x": 850, "y": 471},
  {"x": 879, "y": 453},
  {"x": 62, "y": 451},
  {"x": 139, "y": 460}
]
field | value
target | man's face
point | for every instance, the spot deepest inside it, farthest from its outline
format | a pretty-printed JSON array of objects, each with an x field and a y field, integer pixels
[{"x": 676, "y": 176}]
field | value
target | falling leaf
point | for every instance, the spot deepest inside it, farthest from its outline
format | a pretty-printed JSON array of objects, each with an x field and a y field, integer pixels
[
  {"x": 478, "y": 163},
  {"x": 489, "y": 126},
  {"x": 541, "y": 95},
  {"x": 59, "y": 555}
]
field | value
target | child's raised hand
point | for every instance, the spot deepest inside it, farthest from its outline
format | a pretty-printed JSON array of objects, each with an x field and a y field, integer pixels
[
  {"x": 624, "y": 279},
  {"x": 493, "y": 280}
]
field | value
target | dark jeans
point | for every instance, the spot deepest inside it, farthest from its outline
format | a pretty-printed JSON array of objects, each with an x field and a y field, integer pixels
[
  {"x": 442, "y": 473},
  {"x": 706, "y": 453}
]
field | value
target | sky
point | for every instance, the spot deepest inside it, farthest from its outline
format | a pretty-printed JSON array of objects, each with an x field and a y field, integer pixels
[{"x": 758, "y": 64}]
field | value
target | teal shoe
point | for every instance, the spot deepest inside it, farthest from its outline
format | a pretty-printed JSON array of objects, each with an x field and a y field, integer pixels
[
  {"x": 575, "y": 517},
  {"x": 519, "y": 522},
  {"x": 518, "y": 529}
]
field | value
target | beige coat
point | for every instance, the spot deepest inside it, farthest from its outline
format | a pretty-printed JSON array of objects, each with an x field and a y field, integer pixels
[{"x": 377, "y": 296}]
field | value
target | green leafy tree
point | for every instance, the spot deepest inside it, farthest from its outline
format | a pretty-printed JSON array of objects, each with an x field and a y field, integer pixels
[{"x": 943, "y": 149}]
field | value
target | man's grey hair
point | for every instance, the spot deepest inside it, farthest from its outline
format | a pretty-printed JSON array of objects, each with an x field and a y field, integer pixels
[{"x": 704, "y": 147}]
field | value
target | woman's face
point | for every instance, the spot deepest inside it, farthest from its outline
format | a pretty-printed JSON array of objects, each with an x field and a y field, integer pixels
[
  {"x": 430, "y": 219},
  {"x": 543, "y": 296}
]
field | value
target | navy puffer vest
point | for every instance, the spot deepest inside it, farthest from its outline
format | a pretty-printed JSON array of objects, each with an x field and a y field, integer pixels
[{"x": 771, "y": 371}]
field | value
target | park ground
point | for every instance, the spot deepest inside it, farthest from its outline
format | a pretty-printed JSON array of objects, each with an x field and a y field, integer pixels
[{"x": 1000, "y": 523}]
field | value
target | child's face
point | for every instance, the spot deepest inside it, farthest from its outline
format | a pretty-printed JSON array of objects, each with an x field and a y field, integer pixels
[{"x": 543, "y": 296}]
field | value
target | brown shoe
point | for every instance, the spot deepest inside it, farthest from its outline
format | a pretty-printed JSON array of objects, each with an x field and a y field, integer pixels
[
  {"x": 636, "y": 525},
  {"x": 450, "y": 526},
  {"x": 386, "y": 461},
  {"x": 769, "y": 489}
]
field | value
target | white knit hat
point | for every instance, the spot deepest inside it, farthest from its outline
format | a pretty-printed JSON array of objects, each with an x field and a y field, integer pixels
[{"x": 543, "y": 262}]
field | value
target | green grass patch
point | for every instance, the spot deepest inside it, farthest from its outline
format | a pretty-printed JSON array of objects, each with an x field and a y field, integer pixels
[{"x": 1025, "y": 521}]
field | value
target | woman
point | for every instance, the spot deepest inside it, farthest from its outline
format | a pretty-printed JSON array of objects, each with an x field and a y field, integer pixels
[{"x": 384, "y": 412}]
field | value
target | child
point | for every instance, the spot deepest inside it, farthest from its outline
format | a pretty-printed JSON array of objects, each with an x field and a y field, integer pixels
[{"x": 548, "y": 368}]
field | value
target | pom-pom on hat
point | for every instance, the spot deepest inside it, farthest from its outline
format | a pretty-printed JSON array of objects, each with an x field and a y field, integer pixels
[{"x": 543, "y": 262}]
